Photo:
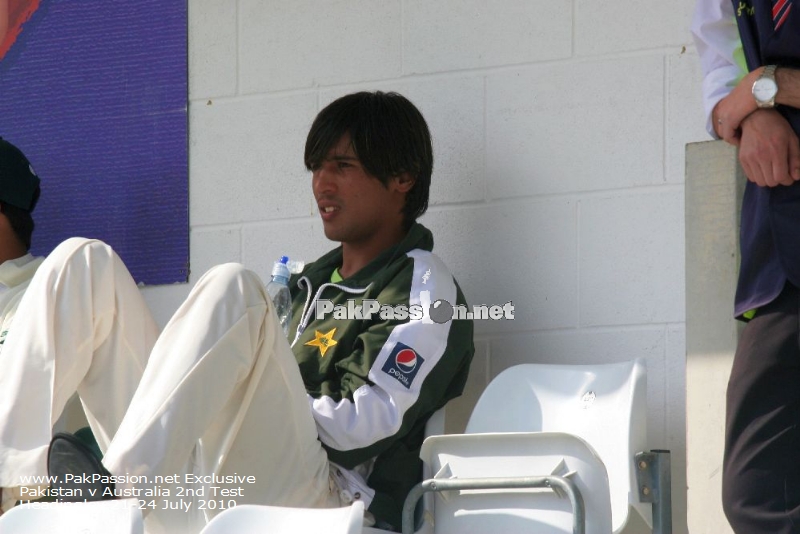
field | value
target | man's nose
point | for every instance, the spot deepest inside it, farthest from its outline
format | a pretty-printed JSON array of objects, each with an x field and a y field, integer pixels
[{"x": 323, "y": 180}]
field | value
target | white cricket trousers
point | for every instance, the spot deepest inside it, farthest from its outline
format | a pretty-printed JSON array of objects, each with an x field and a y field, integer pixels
[
  {"x": 82, "y": 326},
  {"x": 221, "y": 393}
]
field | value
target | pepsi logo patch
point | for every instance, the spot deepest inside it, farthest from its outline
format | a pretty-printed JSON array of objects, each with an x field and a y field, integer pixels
[{"x": 403, "y": 364}]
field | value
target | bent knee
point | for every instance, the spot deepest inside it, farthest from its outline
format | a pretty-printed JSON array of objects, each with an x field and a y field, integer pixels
[
  {"x": 228, "y": 277},
  {"x": 74, "y": 243},
  {"x": 82, "y": 249},
  {"x": 226, "y": 271}
]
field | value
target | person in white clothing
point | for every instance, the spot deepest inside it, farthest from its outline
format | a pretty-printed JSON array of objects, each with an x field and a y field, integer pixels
[{"x": 109, "y": 329}]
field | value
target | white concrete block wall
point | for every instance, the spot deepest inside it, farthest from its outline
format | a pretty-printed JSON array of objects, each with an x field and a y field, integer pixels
[
  {"x": 558, "y": 126},
  {"x": 473, "y": 34},
  {"x": 570, "y": 126}
]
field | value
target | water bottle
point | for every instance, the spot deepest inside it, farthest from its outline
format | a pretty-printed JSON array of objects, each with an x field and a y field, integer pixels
[{"x": 278, "y": 289}]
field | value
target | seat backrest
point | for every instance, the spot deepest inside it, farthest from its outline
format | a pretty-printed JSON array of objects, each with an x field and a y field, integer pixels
[
  {"x": 99, "y": 517},
  {"x": 605, "y": 405},
  {"x": 252, "y": 519},
  {"x": 528, "y": 454}
]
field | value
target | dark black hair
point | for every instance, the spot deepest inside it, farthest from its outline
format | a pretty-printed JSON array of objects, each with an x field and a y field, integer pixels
[
  {"x": 389, "y": 136},
  {"x": 21, "y": 220}
]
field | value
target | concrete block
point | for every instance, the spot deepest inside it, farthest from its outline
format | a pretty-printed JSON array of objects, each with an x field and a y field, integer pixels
[
  {"x": 521, "y": 252},
  {"x": 459, "y": 409},
  {"x": 714, "y": 188},
  {"x": 608, "y": 27},
  {"x": 246, "y": 159},
  {"x": 212, "y": 246},
  {"x": 631, "y": 259},
  {"x": 686, "y": 121},
  {"x": 301, "y": 240},
  {"x": 163, "y": 301},
  {"x": 212, "y": 49},
  {"x": 458, "y": 236},
  {"x": 559, "y": 128},
  {"x": 305, "y": 43},
  {"x": 453, "y": 107},
  {"x": 451, "y": 35}
]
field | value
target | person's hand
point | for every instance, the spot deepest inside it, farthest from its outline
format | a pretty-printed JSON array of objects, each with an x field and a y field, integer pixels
[
  {"x": 729, "y": 112},
  {"x": 769, "y": 150}
]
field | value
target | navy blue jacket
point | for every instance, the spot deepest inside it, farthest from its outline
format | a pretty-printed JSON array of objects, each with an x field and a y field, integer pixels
[{"x": 770, "y": 230}]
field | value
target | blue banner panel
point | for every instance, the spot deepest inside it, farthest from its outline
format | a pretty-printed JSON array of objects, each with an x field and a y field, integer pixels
[{"x": 95, "y": 93}]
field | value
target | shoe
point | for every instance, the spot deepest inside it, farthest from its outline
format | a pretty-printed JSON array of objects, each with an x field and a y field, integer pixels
[{"x": 80, "y": 476}]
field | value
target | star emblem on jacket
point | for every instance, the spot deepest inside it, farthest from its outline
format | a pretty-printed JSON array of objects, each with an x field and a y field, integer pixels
[{"x": 322, "y": 341}]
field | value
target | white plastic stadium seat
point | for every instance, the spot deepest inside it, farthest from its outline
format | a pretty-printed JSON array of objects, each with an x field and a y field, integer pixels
[
  {"x": 601, "y": 406},
  {"x": 507, "y": 455},
  {"x": 606, "y": 405},
  {"x": 251, "y": 519},
  {"x": 102, "y": 517}
]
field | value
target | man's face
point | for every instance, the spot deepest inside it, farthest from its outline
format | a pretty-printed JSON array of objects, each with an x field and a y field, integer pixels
[{"x": 355, "y": 207}]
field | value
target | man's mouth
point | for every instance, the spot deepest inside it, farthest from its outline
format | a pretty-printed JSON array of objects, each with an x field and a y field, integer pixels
[{"x": 328, "y": 211}]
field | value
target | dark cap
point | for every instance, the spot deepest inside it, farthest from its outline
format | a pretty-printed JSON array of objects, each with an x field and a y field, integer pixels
[{"x": 18, "y": 181}]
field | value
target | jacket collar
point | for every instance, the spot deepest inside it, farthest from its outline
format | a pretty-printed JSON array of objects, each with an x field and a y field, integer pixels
[{"x": 318, "y": 272}]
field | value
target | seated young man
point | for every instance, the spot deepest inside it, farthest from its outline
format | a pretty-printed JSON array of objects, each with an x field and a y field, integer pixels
[{"x": 340, "y": 415}]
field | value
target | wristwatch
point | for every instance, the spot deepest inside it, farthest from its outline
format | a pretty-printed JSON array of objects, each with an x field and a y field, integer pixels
[{"x": 765, "y": 88}]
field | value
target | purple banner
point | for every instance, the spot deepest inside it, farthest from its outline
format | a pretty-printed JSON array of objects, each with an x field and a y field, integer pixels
[{"x": 95, "y": 93}]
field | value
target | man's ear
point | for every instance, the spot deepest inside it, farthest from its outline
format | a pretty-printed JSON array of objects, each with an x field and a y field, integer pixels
[{"x": 403, "y": 182}]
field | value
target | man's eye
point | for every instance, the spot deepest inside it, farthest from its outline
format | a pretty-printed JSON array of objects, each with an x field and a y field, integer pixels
[{"x": 344, "y": 165}]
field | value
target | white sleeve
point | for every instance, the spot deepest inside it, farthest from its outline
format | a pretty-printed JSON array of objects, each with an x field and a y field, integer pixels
[{"x": 716, "y": 37}]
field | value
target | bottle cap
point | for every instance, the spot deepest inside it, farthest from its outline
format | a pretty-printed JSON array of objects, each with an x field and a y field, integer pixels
[{"x": 280, "y": 268}]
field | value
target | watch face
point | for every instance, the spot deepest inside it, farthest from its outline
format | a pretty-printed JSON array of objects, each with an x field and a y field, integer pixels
[{"x": 765, "y": 89}]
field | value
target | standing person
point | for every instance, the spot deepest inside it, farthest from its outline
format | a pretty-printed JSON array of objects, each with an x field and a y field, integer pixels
[
  {"x": 756, "y": 106},
  {"x": 340, "y": 415}
]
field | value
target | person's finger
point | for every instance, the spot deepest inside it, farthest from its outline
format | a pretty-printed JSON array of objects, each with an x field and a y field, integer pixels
[
  {"x": 750, "y": 170},
  {"x": 794, "y": 158},
  {"x": 780, "y": 166}
]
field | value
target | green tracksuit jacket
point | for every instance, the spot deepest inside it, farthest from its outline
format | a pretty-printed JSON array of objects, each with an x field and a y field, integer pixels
[{"x": 373, "y": 382}]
